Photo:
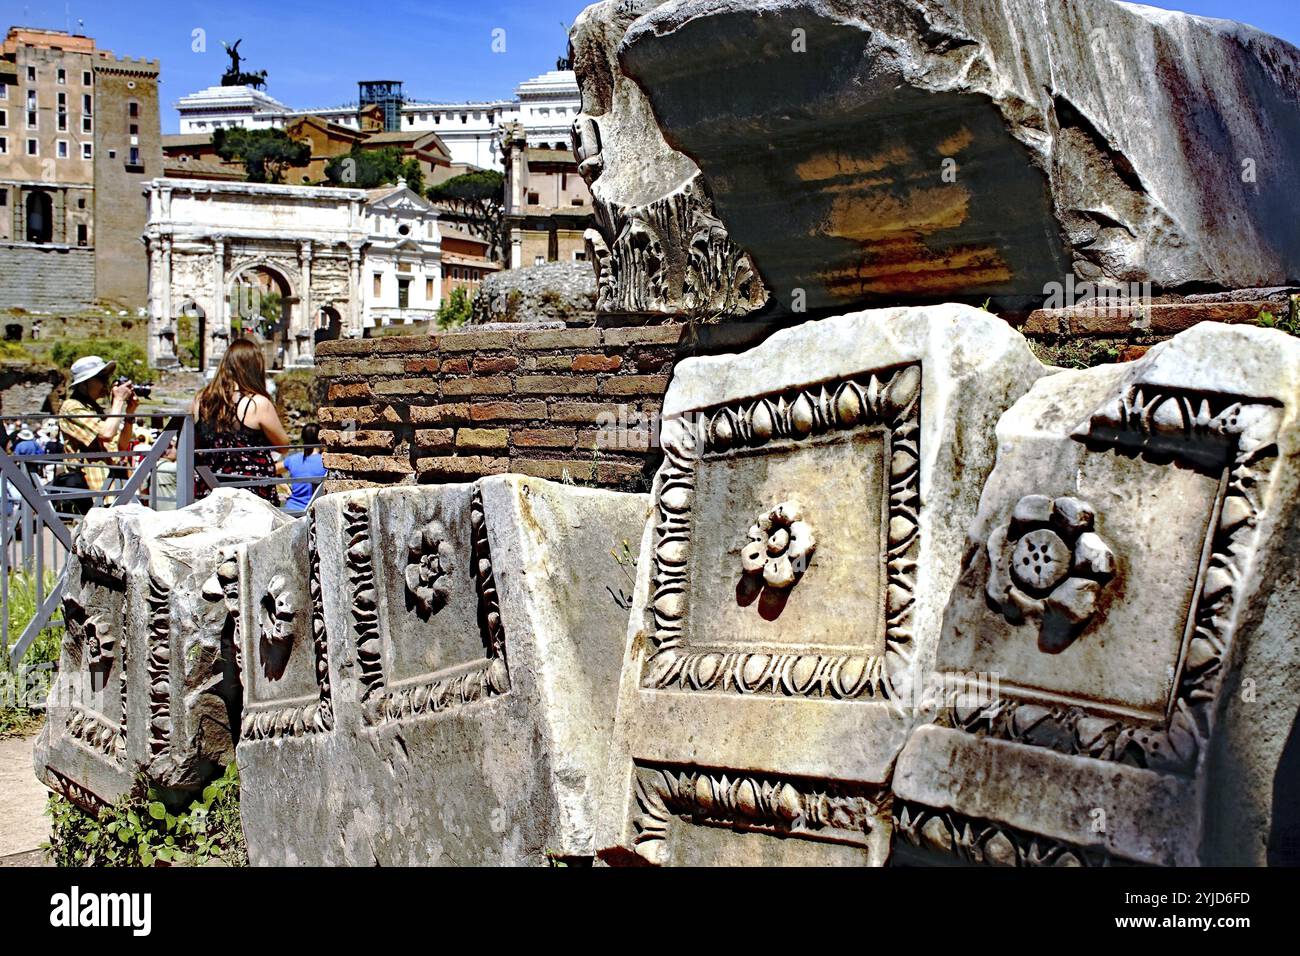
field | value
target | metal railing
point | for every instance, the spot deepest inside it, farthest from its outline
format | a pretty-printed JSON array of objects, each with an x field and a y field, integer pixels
[{"x": 39, "y": 519}]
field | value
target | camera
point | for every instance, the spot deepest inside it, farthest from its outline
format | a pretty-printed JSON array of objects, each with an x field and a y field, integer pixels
[{"x": 141, "y": 391}]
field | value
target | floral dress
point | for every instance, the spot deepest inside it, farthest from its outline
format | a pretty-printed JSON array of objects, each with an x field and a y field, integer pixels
[{"x": 229, "y": 454}]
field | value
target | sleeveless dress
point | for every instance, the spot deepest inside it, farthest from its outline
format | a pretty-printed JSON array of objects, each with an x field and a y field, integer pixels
[{"x": 232, "y": 458}]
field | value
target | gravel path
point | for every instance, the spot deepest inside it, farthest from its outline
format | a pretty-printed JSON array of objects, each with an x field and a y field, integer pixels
[{"x": 23, "y": 823}]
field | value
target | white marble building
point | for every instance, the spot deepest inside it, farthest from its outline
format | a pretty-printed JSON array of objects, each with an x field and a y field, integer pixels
[
  {"x": 340, "y": 261},
  {"x": 545, "y": 105}
]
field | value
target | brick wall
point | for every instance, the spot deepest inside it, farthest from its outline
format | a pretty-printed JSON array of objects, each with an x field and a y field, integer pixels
[
  {"x": 46, "y": 277},
  {"x": 460, "y": 405}
]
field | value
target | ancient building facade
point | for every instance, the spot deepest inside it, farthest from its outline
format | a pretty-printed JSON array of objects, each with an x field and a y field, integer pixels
[
  {"x": 287, "y": 264},
  {"x": 79, "y": 134},
  {"x": 548, "y": 206}
]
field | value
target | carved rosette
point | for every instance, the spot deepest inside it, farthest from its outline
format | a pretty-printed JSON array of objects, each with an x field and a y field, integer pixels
[
  {"x": 779, "y": 546},
  {"x": 1235, "y": 438},
  {"x": 890, "y": 399},
  {"x": 784, "y": 807},
  {"x": 428, "y": 568},
  {"x": 480, "y": 681},
  {"x": 1047, "y": 564}
]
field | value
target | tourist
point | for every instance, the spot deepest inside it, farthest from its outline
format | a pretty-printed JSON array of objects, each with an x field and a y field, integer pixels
[
  {"x": 86, "y": 427},
  {"x": 304, "y": 464},
  {"x": 235, "y": 421}
]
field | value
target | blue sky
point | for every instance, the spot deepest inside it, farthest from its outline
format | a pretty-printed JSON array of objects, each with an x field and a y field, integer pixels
[{"x": 314, "y": 51}]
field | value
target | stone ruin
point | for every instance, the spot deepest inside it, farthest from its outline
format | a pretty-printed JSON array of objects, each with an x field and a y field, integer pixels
[{"x": 904, "y": 593}]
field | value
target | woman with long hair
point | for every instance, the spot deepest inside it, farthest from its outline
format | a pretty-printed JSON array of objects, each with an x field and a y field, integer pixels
[{"x": 234, "y": 415}]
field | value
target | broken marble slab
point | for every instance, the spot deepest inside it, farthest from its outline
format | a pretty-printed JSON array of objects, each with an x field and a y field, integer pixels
[
  {"x": 1120, "y": 649},
  {"x": 430, "y": 673},
  {"x": 147, "y": 681},
  {"x": 657, "y": 245},
  {"x": 919, "y": 152},
  {"x": 808, "y": 523}
]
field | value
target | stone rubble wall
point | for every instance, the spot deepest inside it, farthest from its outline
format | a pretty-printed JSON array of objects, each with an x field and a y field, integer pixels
[
  {"x": 46, "y": 277},
  {"x": 552, "y": 292}
]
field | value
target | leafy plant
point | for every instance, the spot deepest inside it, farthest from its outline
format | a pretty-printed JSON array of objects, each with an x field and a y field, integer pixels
[
  {"x": 1268, "y": 320},
  {"x": 18, "y": 686},
  {"x": 267, "y": 154},
  {"x": 626, "y": 560},
  {"x": 455, "y": 311},
  {"x": 476, "y": 200},
  {"x": 141, "y": 830},
  {"x": 366, "y": 168},
  {"x": 130, "y": 357}
]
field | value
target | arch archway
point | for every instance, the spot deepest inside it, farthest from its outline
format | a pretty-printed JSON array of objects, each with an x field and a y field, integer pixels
[
  {"x": 261, "y": 300},
  {"x": 40, "y": 216}
]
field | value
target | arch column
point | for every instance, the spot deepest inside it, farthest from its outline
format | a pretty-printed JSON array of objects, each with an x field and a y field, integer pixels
[
  {"x": 217, "y": 331},
  {"x": 304, "y": 334}
]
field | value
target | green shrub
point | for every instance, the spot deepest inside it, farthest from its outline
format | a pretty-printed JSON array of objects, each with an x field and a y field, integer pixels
[
  {"x": 455, "y": 312},
  {"x": 16, "y": 715},
  {"x": 1269, "y": 321},
  {"x": 130, "y": 357},
  {"x": 141, "y": 830}
]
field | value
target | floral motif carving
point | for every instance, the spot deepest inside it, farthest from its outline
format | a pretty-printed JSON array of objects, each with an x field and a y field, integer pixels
[
  {"x": 365, "y": 598},
  {"x": 1048, "y": 564},
  {"x": 463, "y": 685},
  {"x": 1236, "y": 438},
  {"x": 429, "y": 567},
  {"x": 888, "y": 398},
  {"x": 789, "y": 807},
  {"x": 983, "y": 843},
  {"x": 158, "y": 666},
  {"x": 780, "y": 545}
]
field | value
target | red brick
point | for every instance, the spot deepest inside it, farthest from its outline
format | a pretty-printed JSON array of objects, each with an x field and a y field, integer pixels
[
  {"x": 360, "y": 438},
  {"x": 367, "y": 464},
  {"x": 422, "y": 366},
  {"x": 555, "y": 470},
  {"x": 631, "y": 440},
  {"x": 457, "y": 341},
  {"x": 555, "y": 384},
  {"x": 458, "y": 366},
  {"x": 645, "y": 335},
  {"x": 440, "y": 414},
  {"x": 456, "y": 467},
  {"x": 582, "y": 412},
  {"x": 496, "y": 365},
  {"x": 339, "y": 390},
  {"x": 619, "y": 473},
  {"x": 342, "y": 414},
  {"x": 403, "y": 386},
  {"x": 560, "y": 339},
  {"x": 1131, "y": 353},
  {"x": 436, "y": 439},
  {"x": 507, "y": 411},
  {"x": 473, "y": 385},
  {"x": 1165, "y": 318},
  {"x": 635, "y": 385},
  {"x": 484, "y": 439},
  {"x": 545, "y": 437},
  {"x": 596, "y": 363}
]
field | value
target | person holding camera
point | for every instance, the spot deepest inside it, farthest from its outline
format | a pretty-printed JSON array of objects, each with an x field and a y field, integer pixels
[{"x": 86, "y": 427}]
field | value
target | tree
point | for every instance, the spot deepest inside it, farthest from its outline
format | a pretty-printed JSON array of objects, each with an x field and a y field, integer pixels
[
  {"x": 367, "y": 168},
  {"x": 455, "y": 312},
  {"x": 476, "y": 200},
  {"x": 265, "y": 153}
]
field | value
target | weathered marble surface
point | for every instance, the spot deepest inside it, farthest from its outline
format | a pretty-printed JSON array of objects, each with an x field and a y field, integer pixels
[
  {"x": 430, "y": 674},
  {"x": 887, "y": 151},
  {"x": 1128, "y": 593},
  {"x": 809, "y": 522},
  {"x": 657, "y": 245},
  {"x": 147, "y": 680}
]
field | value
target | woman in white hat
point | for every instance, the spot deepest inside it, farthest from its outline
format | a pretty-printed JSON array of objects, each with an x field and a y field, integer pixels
[{"x": 86, "y": 427}]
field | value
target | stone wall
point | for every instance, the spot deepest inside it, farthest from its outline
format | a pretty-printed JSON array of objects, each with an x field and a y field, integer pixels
[
  {"x": 461, "y": 405},
  {"x": 552, "y": 292},
  {"x": 46, "y": 277}
]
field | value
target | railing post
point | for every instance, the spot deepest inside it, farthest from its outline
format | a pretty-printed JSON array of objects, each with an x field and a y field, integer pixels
[{"x": 185, "y": 462}]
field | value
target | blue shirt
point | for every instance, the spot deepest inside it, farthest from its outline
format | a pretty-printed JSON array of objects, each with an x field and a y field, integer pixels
[
  {"x": 299, "y": 465},
  {"x": 29, "y": 447}
]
